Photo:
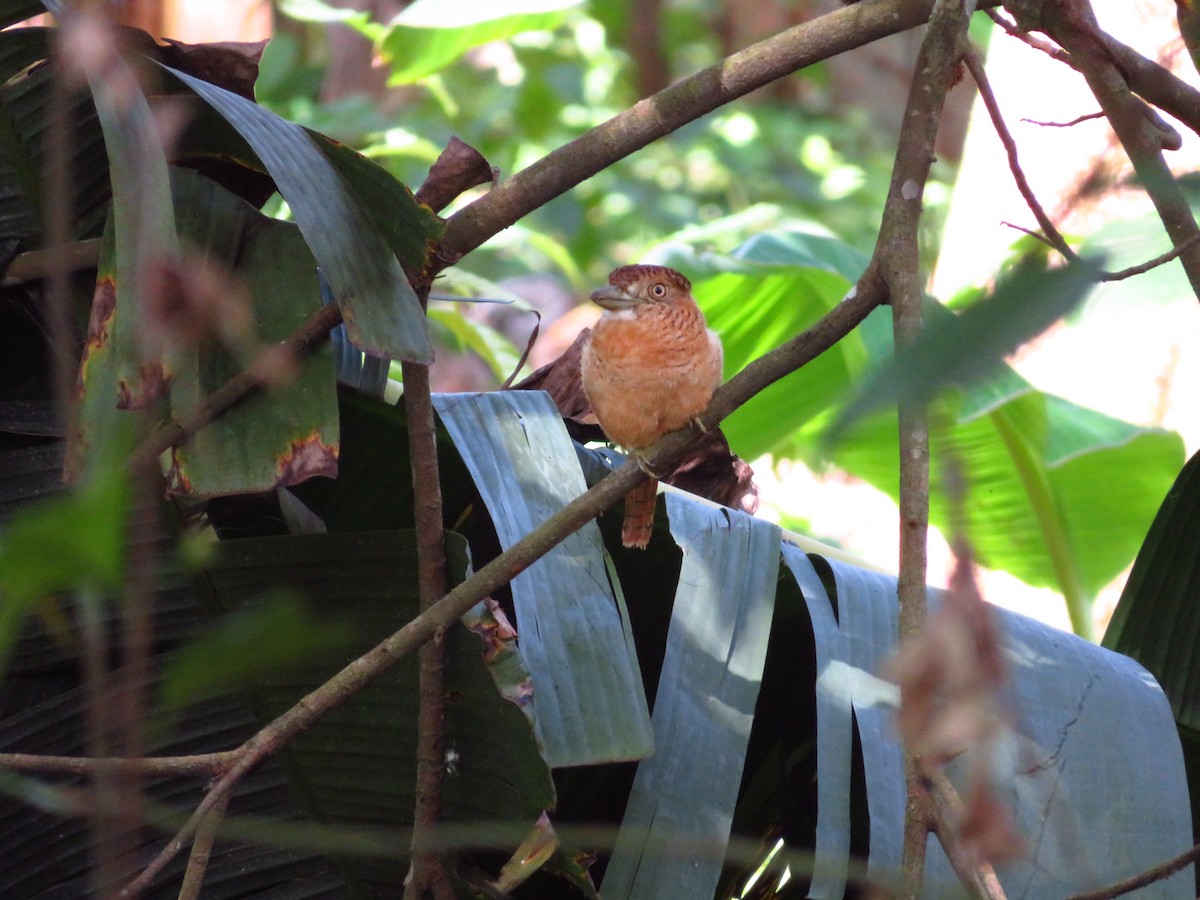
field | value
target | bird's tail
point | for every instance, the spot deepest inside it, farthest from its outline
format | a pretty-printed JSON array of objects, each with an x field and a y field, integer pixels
[{"x": 639, "y": 514}]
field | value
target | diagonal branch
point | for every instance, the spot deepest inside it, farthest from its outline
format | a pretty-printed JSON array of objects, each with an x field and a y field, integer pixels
[{"x": 979, "y": 75}]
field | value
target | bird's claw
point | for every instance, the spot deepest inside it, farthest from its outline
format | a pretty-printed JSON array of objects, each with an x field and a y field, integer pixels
[
  {"x": 643, "y": 464},
  {"x": 699, "y": 425}
]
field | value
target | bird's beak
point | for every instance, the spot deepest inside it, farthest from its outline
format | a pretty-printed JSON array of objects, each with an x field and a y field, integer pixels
[{"x": 614, "y": 299}]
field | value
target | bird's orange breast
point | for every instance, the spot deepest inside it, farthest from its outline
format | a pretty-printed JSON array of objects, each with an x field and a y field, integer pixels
[{"x": 650, "y": 370}]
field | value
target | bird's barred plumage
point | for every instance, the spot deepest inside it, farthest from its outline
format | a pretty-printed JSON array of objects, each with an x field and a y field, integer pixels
[{"x": 650, "y": 367}]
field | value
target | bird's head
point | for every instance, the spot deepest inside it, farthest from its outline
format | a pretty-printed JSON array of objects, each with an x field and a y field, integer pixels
[{"x": 631, "y": 286}]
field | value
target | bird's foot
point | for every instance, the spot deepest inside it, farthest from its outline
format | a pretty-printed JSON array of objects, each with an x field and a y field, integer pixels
[
  {"x": 699, "y": 425},
  {"x": 643, "y": 463}
]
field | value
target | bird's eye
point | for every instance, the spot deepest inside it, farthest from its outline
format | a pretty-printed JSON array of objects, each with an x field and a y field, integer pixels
[{"x": 658, "y": 290}]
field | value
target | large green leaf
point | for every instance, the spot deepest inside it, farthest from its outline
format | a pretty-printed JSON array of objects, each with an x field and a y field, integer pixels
[
  {"x": 1157, "y": 620},
  {"x": 964, "y": 349},
  {"x": 118, "y": 371},
  {"x": 588, "y": 700},
  {"x": 715, "y": 650},
  {"x": 1056, "y": 494},
  {"x": 1084, "y": 723},
  {"x": 380, "y": 309},
  {"x": 276, "y": 437}
]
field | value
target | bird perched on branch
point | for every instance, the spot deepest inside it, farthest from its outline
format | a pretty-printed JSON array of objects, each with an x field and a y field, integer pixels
[{"x": 650, "y": 368}]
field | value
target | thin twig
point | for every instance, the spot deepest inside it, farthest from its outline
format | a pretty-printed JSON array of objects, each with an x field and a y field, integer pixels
[
  {"x": 1036, "y": 235},
  {"x": 197, "y": 864},
  {"x": 1078, "y": 120},
  {"x": 1161, "y": 259},
  {"x": 1161, "y": 872},
  {"x": 977, "y": 876},
  {"x": 149, "y": 766},
  {"x": 533, "y": 336},
  {"x": 759, "y": 374},
  {"x": 1052, "y": 50},
  {"x": 979, "y": 74}
]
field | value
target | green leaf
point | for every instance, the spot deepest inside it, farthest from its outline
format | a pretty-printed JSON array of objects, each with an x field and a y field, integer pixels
[
  {"x": 754, "y": 313},
  {"x": 1056, "y": 494},
  {"x": 588, "y": 699},
  {"x": 410, "y": 228},
  {"x": 489, "y": 344},
  {"x": 964, "y": 349},
  {"x": 71, "y": 542},
  {"x": 429, "y": 35},
  {"x": 275, "y": 437},
  {"x": 118, "y": 372},
  {"x": 716, "y": 647},
  {"x": 381, "y": 311},
  {"x": 1155, "y": 620},
  {"x": 275, "y": 635},
  {"x": 1086, "y": 721}
]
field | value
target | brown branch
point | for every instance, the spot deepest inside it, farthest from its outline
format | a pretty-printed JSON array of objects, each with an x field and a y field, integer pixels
[
  {"x": 684, "y": 101},
  {"x": 37, "y": 264},
  {"x": 206, "y": 764},
  {"x": 978, "y": 877},
  {"x": 1056, "y": 240},
  {"x": 1161, "y": 872},
  {"x": 197, "y": 864},
  {"x": 1145, "y": 77},
  {"x": 759, "y": 374},
  {"x": 1161, "y": 259},
  {"x": 1078, "y": 120},
  {"x": 428, "y": 874},
  {"x": 898, "y": 260}
]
